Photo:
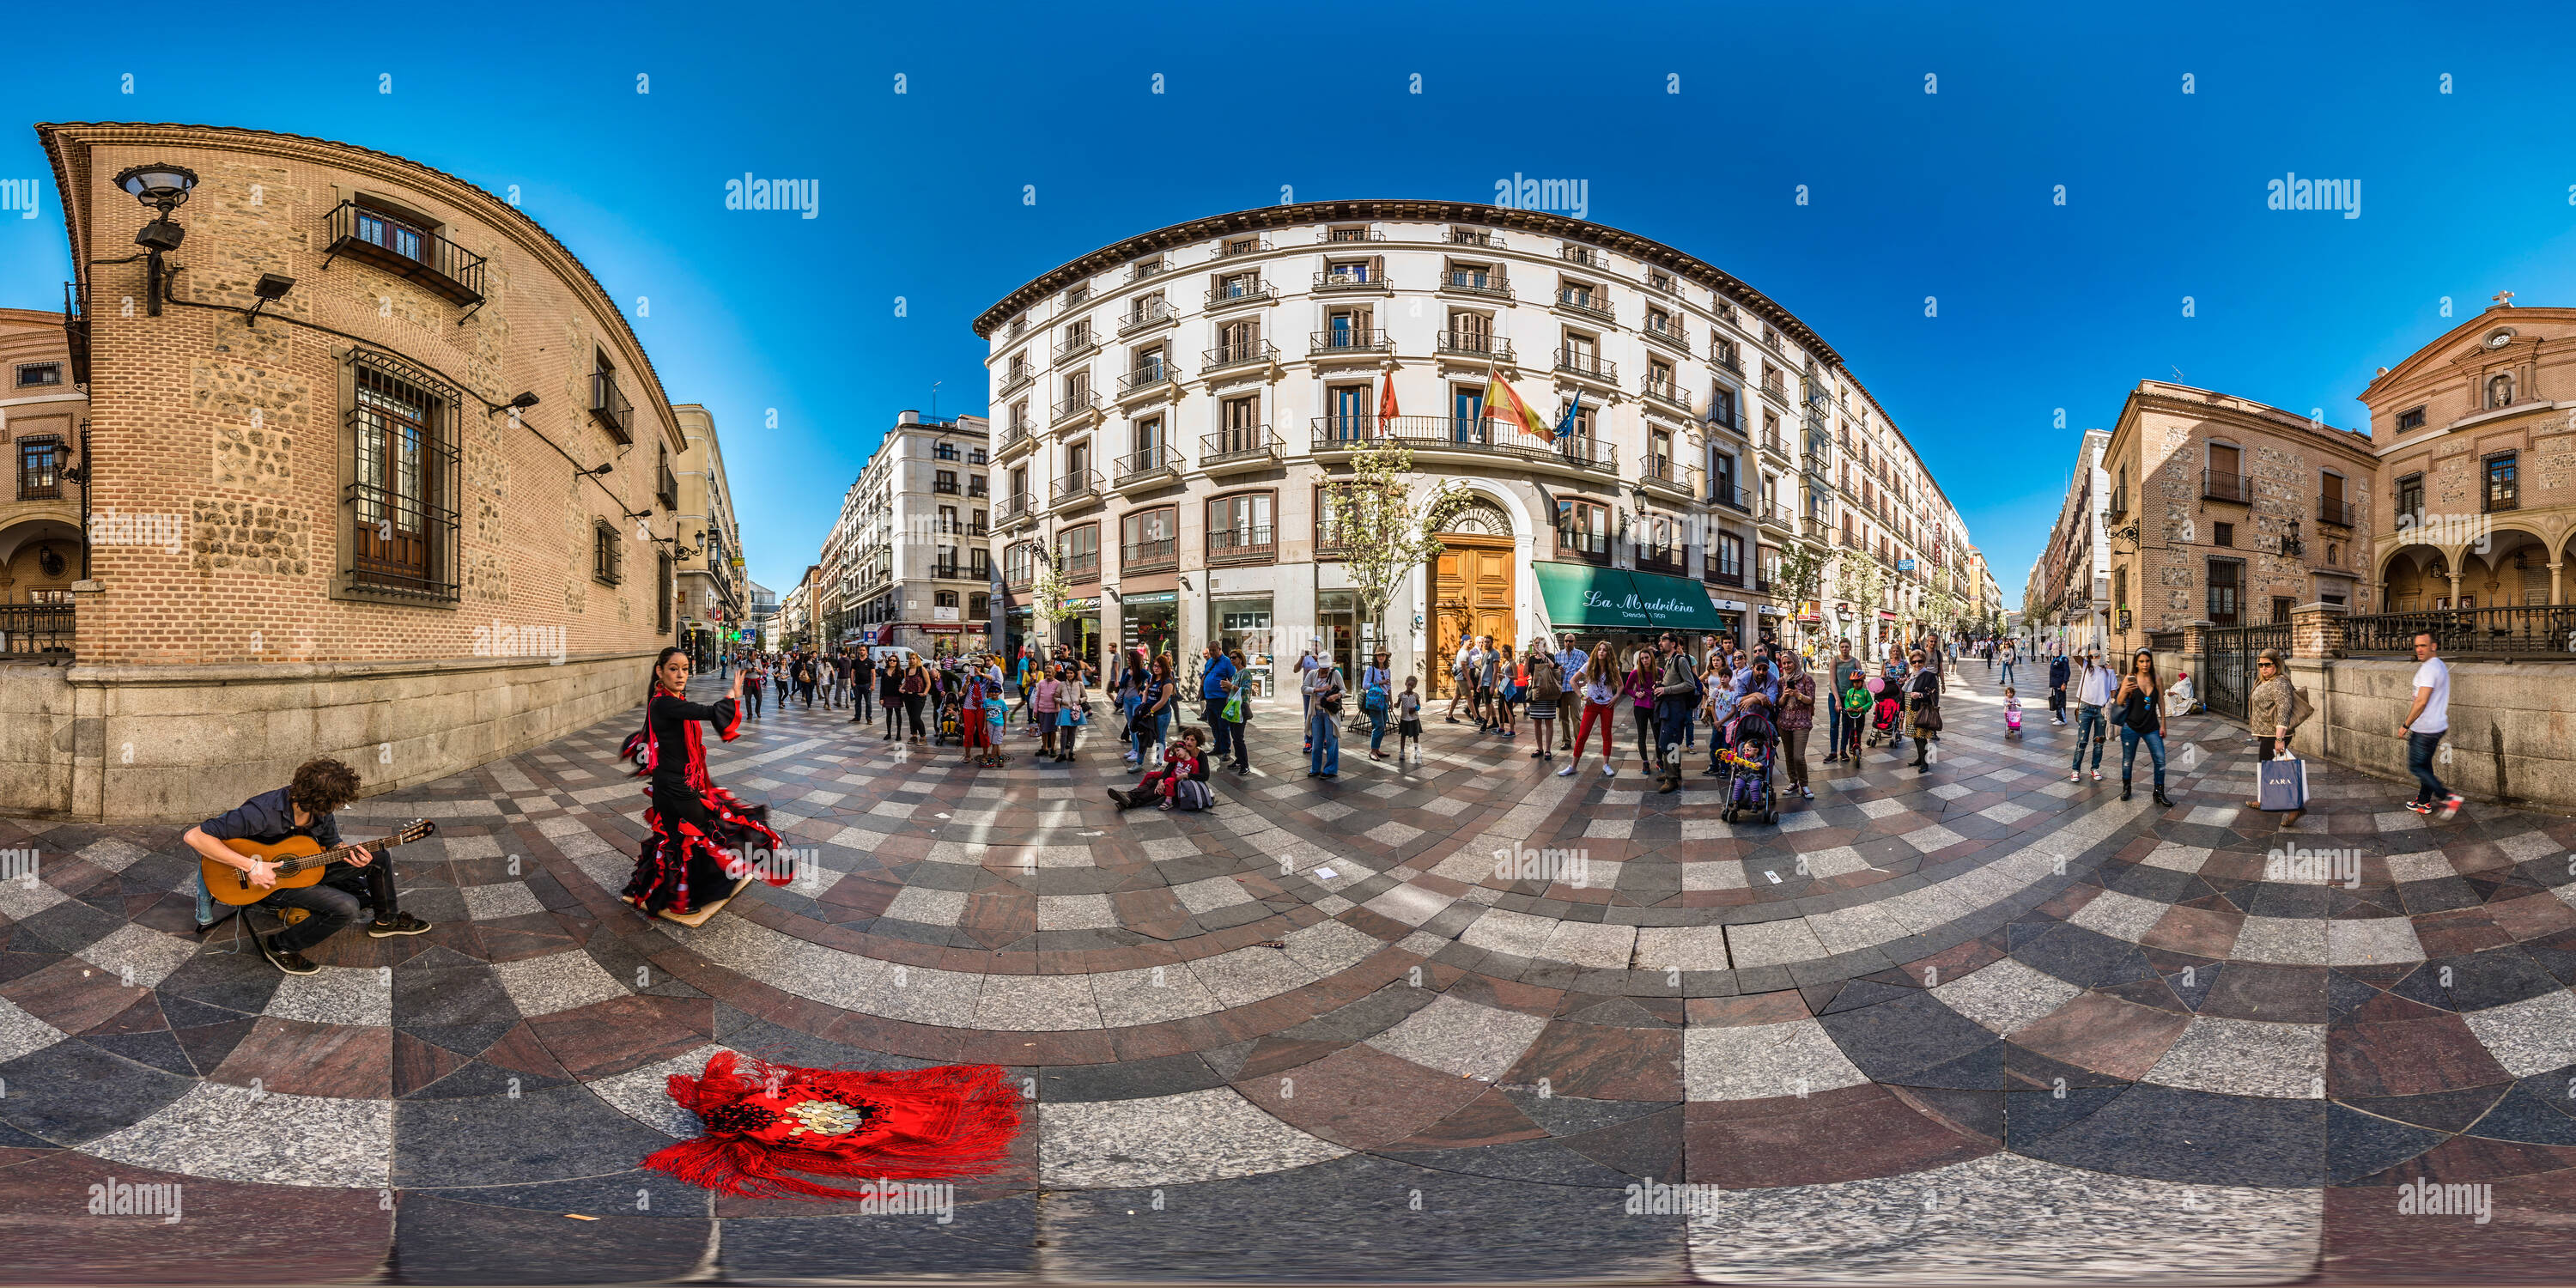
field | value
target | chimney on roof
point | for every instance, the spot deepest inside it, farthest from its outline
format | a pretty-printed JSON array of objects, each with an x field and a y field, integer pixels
[{"x": 907, "y": 418}]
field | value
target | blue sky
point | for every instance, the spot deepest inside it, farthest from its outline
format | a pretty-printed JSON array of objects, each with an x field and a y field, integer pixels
[{"x": 2041, "y": 307}]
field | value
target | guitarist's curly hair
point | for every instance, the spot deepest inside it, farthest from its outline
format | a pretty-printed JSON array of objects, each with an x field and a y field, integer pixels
[{"x": 322, "y": 786}]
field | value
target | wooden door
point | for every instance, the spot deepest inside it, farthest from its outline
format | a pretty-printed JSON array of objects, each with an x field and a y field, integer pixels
[{"x": 1472, "y": 594}]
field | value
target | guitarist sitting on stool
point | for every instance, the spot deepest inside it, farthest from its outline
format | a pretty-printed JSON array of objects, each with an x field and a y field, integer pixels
[{"x": 304, "y": 807}]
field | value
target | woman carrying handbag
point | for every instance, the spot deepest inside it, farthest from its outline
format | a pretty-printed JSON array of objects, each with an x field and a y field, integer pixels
[
  {"x": 2274, "y": 711},
  {"x": 1923, "y": 702}
]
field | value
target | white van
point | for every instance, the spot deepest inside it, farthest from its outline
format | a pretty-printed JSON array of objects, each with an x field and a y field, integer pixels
[{"x": 892, "y": 654}]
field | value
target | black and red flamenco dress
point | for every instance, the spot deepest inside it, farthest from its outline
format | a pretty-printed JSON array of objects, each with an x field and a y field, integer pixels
[
  {"x": 767, "y": 1122},
  {"x": 705, "y": 845}
]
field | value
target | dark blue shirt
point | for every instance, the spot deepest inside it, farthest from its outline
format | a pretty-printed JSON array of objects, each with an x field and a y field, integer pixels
[
  {"x": 1212, "y": 686},
  {"x": 268, "y": 819}
]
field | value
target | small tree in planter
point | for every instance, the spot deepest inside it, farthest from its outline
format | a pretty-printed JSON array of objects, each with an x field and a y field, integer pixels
[
  {"x": 1384, "y": 531},
  {"x": 1801, "y": 577}
]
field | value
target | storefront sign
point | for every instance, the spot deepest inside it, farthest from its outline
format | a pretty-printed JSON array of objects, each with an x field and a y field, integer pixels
[
  {"x": 1730, "y": 605},
  {"x": 1082, "y": 605},
  {"x": 1155, "y": 597}
]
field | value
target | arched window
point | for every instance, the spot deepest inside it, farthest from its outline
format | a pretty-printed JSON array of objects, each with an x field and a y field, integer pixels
[{"x": 2500, "y": 391}]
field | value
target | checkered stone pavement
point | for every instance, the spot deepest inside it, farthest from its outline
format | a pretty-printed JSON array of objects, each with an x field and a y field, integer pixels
[{"x": 1973, "y": 1023}]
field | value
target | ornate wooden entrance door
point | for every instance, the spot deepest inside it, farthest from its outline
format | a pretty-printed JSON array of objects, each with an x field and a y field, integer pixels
[{"x": 1472, "y": 594}]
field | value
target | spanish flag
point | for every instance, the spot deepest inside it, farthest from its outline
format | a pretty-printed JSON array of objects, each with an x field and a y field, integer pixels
[{"x": 1504, "y": 405}]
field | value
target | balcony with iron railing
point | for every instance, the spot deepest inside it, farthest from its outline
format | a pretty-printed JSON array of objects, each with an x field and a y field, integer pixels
[
  {"x": 1730, "y": 496},
  {"x": 1077, "y": 489},
  {"x": 1076, "y": 406},
  {"x": 1074, "y": 346},
  {"x": 1079, "y": 565},
  {"x": 1143, "y": 269},
  {"x": 1491, "y": 286},
  {"x": 2329, "y": 510},
  {"x": 2118, "y": 503},
  {"x": 1242, "y": 544},
  {"x": 666, "y": 487},
  {"x": 608, "y": 407},
  {"x": 1721, "y": 572},
  {"x": 1155, "y": 466},
  {"x": 1584, "y": 255},
  {"x": 1773, "y": 445},
  {"x": 945, "y": 487},
  {"x": 1588, "y": 366},
  {"x": 1349, "y": 235},
  {"x": 1015, "y": 381},
  {"x": 1663, "y": 283},
  {"x": 2219, "y": 485},
  {"x": 1668, "y": 477},
  {"x": 425, "y": 258},
  {"x": 1015, "y": 438},
  {"x": 1670, "y": 393},
  {"x": 1245, "y": 447},
  {"x": 1484, "y": 436},
  {"x": 1672, "y": 561},
  {"x": 1774, "y": 515},
  {"x": 1723, "y": 355},
  {"x": 1149, "y": 556},
  {"x": 1349, "y": 342},
  {"x": 1234, "y": 246},
  {"x": 1668, "y": 333},
  {"x": 1475, "y": 344},
  {"x": 1591, "y": 304},
  {"x": 1344, "y": 280},
  {"x": 1243, "y": 353},
  {"x": 1013, "y": 509},
  {"x": 1149, "y": 378},
  {"x": 1147, "y": 315},
  {"x": 1475, "y": 237},
  {"x": 1233, "y": 293}
]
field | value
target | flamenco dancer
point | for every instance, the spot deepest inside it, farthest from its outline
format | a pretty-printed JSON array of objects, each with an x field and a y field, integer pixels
[{"x": 689, "y": 865}]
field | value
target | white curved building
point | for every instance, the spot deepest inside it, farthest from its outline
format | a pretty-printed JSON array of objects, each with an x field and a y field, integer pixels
[{"x": 1166, "y": 409}]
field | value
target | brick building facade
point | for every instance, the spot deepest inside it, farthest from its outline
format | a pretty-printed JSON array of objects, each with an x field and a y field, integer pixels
[
  {"x": 383, "y": 559},
  {"x": 2476, "y": 436},
  {"x": 2224, "y": 510}
]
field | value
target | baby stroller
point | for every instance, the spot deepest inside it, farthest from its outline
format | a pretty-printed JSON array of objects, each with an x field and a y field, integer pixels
[
  {"x": 1748, "y": 769},
  {"x": 1884, "y": 721}
]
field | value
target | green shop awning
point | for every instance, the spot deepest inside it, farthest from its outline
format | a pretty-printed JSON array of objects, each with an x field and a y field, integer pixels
[
  {"x": 1585, "y": 597},
  {"x": 1677, "y": 603}
]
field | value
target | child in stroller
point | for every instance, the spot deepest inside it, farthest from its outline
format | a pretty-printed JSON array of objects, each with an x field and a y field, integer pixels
[
  {"x": 1884, "y": 719},
  {"x": 1751, "y": 741}
]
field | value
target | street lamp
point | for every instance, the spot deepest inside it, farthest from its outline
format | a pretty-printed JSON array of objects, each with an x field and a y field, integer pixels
[{"x": 164, "y": 188}]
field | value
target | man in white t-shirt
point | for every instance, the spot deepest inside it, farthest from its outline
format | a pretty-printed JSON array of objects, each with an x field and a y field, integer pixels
[{"x": 2424, "y": 726}]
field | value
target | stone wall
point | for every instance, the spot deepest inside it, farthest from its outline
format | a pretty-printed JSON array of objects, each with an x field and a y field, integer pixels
[
  {"x": 2513, "y": 731},
  {"x": 175, "y": 744}
]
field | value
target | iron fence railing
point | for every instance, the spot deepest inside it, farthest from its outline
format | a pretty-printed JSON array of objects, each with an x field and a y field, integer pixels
[
  {"x": 2530, "y": 630},
  {"x": 35, "y": 630},
  {"x": 414, "y": 254}
]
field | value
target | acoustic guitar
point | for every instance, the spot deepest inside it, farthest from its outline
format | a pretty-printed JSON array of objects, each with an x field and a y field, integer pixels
[{"x": 301, "y": 861}]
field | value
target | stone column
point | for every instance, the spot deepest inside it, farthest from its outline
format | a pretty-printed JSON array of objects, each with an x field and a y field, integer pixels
[
  {"x": 2455, "y": 587},
  {"x": 2316, "y": 640},
  {"x": 2194, "y": 660},
  {"x": 2556, "y": 594}
]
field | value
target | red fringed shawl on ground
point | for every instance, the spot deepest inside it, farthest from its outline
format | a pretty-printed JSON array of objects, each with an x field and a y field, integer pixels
[
  {"x": 768, "y": 1120},
  {"x": 661, "y": 878}
]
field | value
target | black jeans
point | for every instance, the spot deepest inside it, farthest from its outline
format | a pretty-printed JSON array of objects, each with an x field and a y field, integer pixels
[
  {"x": 334, "y": 903},
  {"x": 893, "y": 712},
  {"x": 912, "y": 710},
  {"x": 859, "y": 702}
]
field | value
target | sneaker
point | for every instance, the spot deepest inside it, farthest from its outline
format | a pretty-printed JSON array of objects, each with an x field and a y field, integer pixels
[
  {"x": 2419, "y": 807},
  {"x": 1567, "y": 772},
  {"x": 403, "y": 924},
  {"x": 291, "y": 963},
  {"x": 1609, "y": 771},
  {"x": 2075, "y": 775},
  {"x": 2097, "y": 775},
  {"x": 2450, "y": 807},
  {"x": 1805, "y": 793}
]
